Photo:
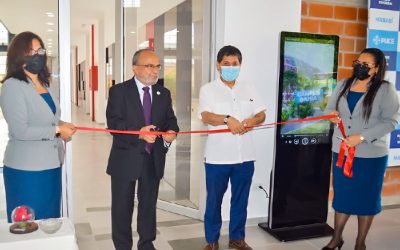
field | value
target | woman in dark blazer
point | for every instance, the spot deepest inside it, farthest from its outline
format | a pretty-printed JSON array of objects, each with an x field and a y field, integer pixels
[
  {"x": 34, "y": 153},
  {"x": 369, "y": 108}
]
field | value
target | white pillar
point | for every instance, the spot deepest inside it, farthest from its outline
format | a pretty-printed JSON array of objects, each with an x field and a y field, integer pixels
[
  {"x": 65, "y": 101},
  {"x": 119, "y": 43}
]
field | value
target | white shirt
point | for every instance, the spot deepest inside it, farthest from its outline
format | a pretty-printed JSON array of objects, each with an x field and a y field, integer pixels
[
  {"x": 140, "y": 87},
  {"x": 241, "y": 102}
]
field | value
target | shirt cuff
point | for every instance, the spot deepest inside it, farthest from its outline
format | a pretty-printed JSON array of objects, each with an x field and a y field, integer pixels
[{"x": 167, "y": 144}]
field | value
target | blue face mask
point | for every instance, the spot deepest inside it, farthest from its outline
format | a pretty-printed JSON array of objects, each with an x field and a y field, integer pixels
[{"x": 230, "y": 73}]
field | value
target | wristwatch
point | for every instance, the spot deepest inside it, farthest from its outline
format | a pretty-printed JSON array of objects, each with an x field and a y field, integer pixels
[
  {"x": 226, "y": 119},
  {"x": 58, "y": 134}
]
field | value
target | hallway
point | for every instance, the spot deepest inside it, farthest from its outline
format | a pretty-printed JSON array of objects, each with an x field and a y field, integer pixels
[{"x": 92, "y": 212}]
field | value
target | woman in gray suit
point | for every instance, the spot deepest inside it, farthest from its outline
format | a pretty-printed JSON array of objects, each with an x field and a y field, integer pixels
[
  {"x": 34, "y": 153},
  {"x": 369, "y": 108}
]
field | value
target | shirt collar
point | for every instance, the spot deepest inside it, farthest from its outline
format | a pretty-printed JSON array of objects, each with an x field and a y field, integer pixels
[
  {"x": 224, "y": 85},
  {"x": 140, "y": 85}
]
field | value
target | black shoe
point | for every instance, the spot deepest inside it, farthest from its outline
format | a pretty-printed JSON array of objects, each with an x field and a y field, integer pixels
[{"x": 338, "y": 246}]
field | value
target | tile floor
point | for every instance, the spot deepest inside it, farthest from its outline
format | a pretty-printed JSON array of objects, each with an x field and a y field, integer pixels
[{"x": 175, "y": 232}]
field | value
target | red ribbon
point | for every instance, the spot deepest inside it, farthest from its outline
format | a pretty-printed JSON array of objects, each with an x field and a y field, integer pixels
[
  {"x": 351, "y": 151},
  {"x": 214, "y": 131}
]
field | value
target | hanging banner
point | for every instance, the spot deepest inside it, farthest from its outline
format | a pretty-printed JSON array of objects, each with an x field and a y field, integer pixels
[{"x": 383, "y": 33}]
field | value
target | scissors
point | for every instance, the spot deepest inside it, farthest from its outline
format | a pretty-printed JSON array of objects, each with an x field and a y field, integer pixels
[{"x": 155, "y": 129}]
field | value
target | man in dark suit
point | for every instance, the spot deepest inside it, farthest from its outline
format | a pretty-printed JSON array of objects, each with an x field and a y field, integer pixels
[{"x": 138, "y": 104}]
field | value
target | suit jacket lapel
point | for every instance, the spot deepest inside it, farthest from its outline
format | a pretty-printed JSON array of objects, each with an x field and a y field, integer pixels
[{"x": 134, "y": 102}]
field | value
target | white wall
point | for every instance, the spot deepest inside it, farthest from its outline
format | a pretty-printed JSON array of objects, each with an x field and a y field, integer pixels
[
  {"x": 254, "y": 27},
  {"x": 100, "y": 94},
  {"x": 109, "y": 26},
  {"x": 79, "y": 41}
]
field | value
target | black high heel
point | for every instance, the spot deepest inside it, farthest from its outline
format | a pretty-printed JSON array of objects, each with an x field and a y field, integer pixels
[
  {"x": 364, "y": 248},
  {"x": 338, "y": 246}
]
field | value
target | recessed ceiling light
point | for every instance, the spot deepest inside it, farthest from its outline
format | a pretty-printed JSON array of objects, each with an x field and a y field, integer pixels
[
  {"x": 49, "y": 30},
  {"x": 50, "y": 23},
  {"x": 131, "y": 3},
  {"x": 133, "y": 32},
  {"x": 49, "y": 14},
  {"x": 49, "y": 39}
]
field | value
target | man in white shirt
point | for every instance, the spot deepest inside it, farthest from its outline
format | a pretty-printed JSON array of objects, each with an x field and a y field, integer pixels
[{"x": 229, "y": 156}]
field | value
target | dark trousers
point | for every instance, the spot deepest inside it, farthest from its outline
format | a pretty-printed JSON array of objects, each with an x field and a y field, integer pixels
[
  {"x": 123, "y": 194},
  {"x": 217, "y": 178}
]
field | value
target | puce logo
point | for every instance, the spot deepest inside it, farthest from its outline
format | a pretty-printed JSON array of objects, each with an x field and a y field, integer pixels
[{"x": 383, "y": 40}]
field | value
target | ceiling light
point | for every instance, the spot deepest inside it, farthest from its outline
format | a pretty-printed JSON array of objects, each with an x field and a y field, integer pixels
[
  {"x": 50, "y": 23},
  {"x": 133, "y": 32},
  {"x": 131, "y": 3},
  {"x": 49, "y": 39},
  {"x": 49, "y": 30},
  {"x": 49, "y": 14}
]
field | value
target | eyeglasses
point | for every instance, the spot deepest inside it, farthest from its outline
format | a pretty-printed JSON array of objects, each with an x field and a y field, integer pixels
[
  {"x": 150, "y": 66},
  {"x": 364, "y": 64},
  {"x": 39, "y": 51}
]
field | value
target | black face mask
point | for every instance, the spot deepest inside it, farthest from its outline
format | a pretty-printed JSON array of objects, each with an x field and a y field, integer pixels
[
  {"x": 361, "y": 71},
  {"x": 35, "y": 64}
]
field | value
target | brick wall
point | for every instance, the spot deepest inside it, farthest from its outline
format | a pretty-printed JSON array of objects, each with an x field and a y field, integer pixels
[{"x": 350, "y": 24}]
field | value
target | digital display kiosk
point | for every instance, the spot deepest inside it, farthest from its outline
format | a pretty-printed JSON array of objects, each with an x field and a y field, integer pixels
[{"x": 300, "y": 177}]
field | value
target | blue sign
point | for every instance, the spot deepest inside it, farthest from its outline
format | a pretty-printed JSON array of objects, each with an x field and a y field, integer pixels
[
  {"x": 395, "y": 139},
  {"x": 385, "y": 4},
  {"x": 397, "y": 63},
  {"x": 384, "y": 40},
  {"x": 398, "y": 81},
  {"x": 313, "y": 95},
  {"x": 391, "y": 60}
]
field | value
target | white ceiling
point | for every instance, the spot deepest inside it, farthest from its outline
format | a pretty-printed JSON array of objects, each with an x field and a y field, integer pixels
[
  {"x": 86, "y": 12},
  {"x": 23, "y": 15}
]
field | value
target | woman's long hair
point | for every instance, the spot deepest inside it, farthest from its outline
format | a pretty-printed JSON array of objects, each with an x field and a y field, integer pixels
[
  {"x": 17, "y": 53},
  {"x": 376, "y": 81}
]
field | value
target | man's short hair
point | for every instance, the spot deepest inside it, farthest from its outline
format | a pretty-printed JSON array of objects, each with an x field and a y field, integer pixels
[
  {"x": 229, "y": 50},
  {"x": 136, "y": 56}
]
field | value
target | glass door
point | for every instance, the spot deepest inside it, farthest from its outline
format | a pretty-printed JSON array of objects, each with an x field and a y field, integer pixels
[{"x": 175, "y": 31}]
